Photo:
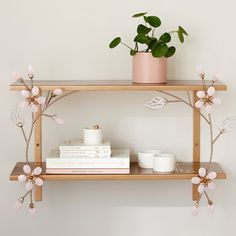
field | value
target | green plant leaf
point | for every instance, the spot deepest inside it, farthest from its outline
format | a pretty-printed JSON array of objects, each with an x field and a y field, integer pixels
[
  {"x": 160, "y": 49},
  {"x": 141, "y": 38},
  {"x": 132, "y": 52},
  {"x": 171, "y": 51},
  {"x": 154, "y": 21},
  {"x": 139, "y": 14},
  {"x": 166, "y": 38},
  {"x": 181, "y": 36},
  {"x": 183, "y": 30},
  {"x": 151, "y": 43},
  {"x": 115, "y": 42},
  {"x": 145, "y": 19},
  {"x": 142, "y": 29}
]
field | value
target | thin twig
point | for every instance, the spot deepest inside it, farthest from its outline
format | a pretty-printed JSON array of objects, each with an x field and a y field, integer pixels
[
  {"x": 211, "y": 141},
  {"x": 217, "y": 137},
  {"x": 189, "y": 98},
  {"x": 29, "y": 138},
  {"x": 23, "y": 132},
  {"x": 54, "y": 101},
  {"x": 26, "y": 194},
  {"x": 182, "y": 100}
]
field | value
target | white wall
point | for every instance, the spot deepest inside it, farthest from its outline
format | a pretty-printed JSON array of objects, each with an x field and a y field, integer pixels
[{"x": 69, "y": 40}]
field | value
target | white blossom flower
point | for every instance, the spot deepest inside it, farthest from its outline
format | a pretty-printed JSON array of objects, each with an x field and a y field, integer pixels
[
  {"x": 58, "y": 119},
  {"x": 156, "y": 103},
  {"x": 32, "y": 210},
  {"x": 32, "y": 99},
  {"x": 30, "y": 72},
  {"x": 196, "y": 209},
  {"x": 207, "y": 99},
  {"x": 16, "y": 77},
  {"x": 211, "y": 207},
  {"x": 57, "y": 92},
  {"x": 204, "y": 180},
  {"x": 19, "y": 203},
  {"x": 200, "y": 71},
  {"x": 31, "y": 178}
]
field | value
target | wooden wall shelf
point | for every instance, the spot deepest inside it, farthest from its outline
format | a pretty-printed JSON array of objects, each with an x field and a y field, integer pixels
[
  {"x": 116, "y": 85},
  {"x": 68, "y": 86},
  {"x": 136, "y": 173}
]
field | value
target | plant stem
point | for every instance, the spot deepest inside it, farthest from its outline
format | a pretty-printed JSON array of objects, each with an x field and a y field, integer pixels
[{"x": 127, "y": 46}]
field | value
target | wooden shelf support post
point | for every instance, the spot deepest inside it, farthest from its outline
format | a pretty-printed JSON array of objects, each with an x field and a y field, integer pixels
[
  {"x": 196, "y": 141},
  {"x": 38, "y": 147}
]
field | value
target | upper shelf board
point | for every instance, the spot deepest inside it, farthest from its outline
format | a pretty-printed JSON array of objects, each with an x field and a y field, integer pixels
[{"x": 112, "y": 85}]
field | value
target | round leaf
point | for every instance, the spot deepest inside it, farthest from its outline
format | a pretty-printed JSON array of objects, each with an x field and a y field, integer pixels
[
  {"x": 152, "y": 43},
  {"x": 115, "y": 42},
  {"x": 160, "y": 49},
  {"x": 141, "y": 38},
  {"x": 170, "y": 52},
  {"x": 183, "y": 30},
  {"x": 142, "y": 29},
  {"x": 132, "y": 52},
  {"x": 154, "y": 21},
  {"x": 139, "y": 14},
  {"x": 181, "y": 36},
  {"x": 166, "y": 38}
]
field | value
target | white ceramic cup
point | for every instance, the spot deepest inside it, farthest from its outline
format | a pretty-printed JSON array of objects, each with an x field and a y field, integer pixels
[
  {"x": 145, "y": 158},
  {"x": 164, "y": 163},
  {"x": 92, "y": 136}
]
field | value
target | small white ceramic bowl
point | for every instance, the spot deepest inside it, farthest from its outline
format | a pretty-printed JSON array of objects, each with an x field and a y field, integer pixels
[
  {"x": 146, "y": 158},
  {"x": 164, "y": 163}
]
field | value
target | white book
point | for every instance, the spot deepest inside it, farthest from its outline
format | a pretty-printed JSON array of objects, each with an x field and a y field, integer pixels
[
  {"x": 85, "y": 152},
  {"x": 120, "y": 159},
  {"x": 79, "y": 145},
  {"x": 77, "y": 155}
]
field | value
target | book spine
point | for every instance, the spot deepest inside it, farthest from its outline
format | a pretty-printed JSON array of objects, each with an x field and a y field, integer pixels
[
  {"x": 83, "y": 156},
  {"x": 85, "y": 152},
  {"x": 88, "y": 163},
  {"x": 84, "y": 147},
  {"x": 87, "y": 171}
]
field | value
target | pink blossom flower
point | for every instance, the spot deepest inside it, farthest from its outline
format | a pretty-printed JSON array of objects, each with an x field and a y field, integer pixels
[
  {"x": 32, "y": 99},
  {"x": 196, "y": 209},
  {"x": 31, "y": 178},
  {"x": 30, "y": 72},
  {"x": 207, "y": 99},
  {"x": 204, "y": 180}
]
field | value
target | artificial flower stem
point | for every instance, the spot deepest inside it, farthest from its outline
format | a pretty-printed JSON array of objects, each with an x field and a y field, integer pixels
[
  {"x": 23, "y": 132},
  {"x": 218, "y": 136},
  {"x": 189, "y": 98},
  {"x": 57, "y": 99},
  {"x": 182, "y": 100},
  {"x": 29, "y": 138},
  {"x": 211, "y": 140}
]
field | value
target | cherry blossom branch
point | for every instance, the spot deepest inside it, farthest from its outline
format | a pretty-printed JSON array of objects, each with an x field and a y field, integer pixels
[
  {"x": 50, "y": 104},
  {"x": 218, "y": 136},
  {"x": 182, "y": 100},
  {"x": 212, "y": 141},
  {"x": 29, "y": 138},
  {"x": 23, "y": 132}
]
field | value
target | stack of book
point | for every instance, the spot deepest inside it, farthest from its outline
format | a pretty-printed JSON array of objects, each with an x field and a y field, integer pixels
[
  {"x": 78, "y": 158},
  {"x": 78, "y": 149}
]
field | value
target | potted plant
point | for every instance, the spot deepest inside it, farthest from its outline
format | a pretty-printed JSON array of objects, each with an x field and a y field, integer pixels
[{"x": 150, "y": 52}]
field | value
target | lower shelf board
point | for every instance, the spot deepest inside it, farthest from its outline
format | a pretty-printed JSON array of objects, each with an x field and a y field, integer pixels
[{"x": 184, "y": 171}]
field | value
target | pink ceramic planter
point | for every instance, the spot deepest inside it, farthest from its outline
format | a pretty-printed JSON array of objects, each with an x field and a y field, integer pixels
[{"x": 148, "y": 69}]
